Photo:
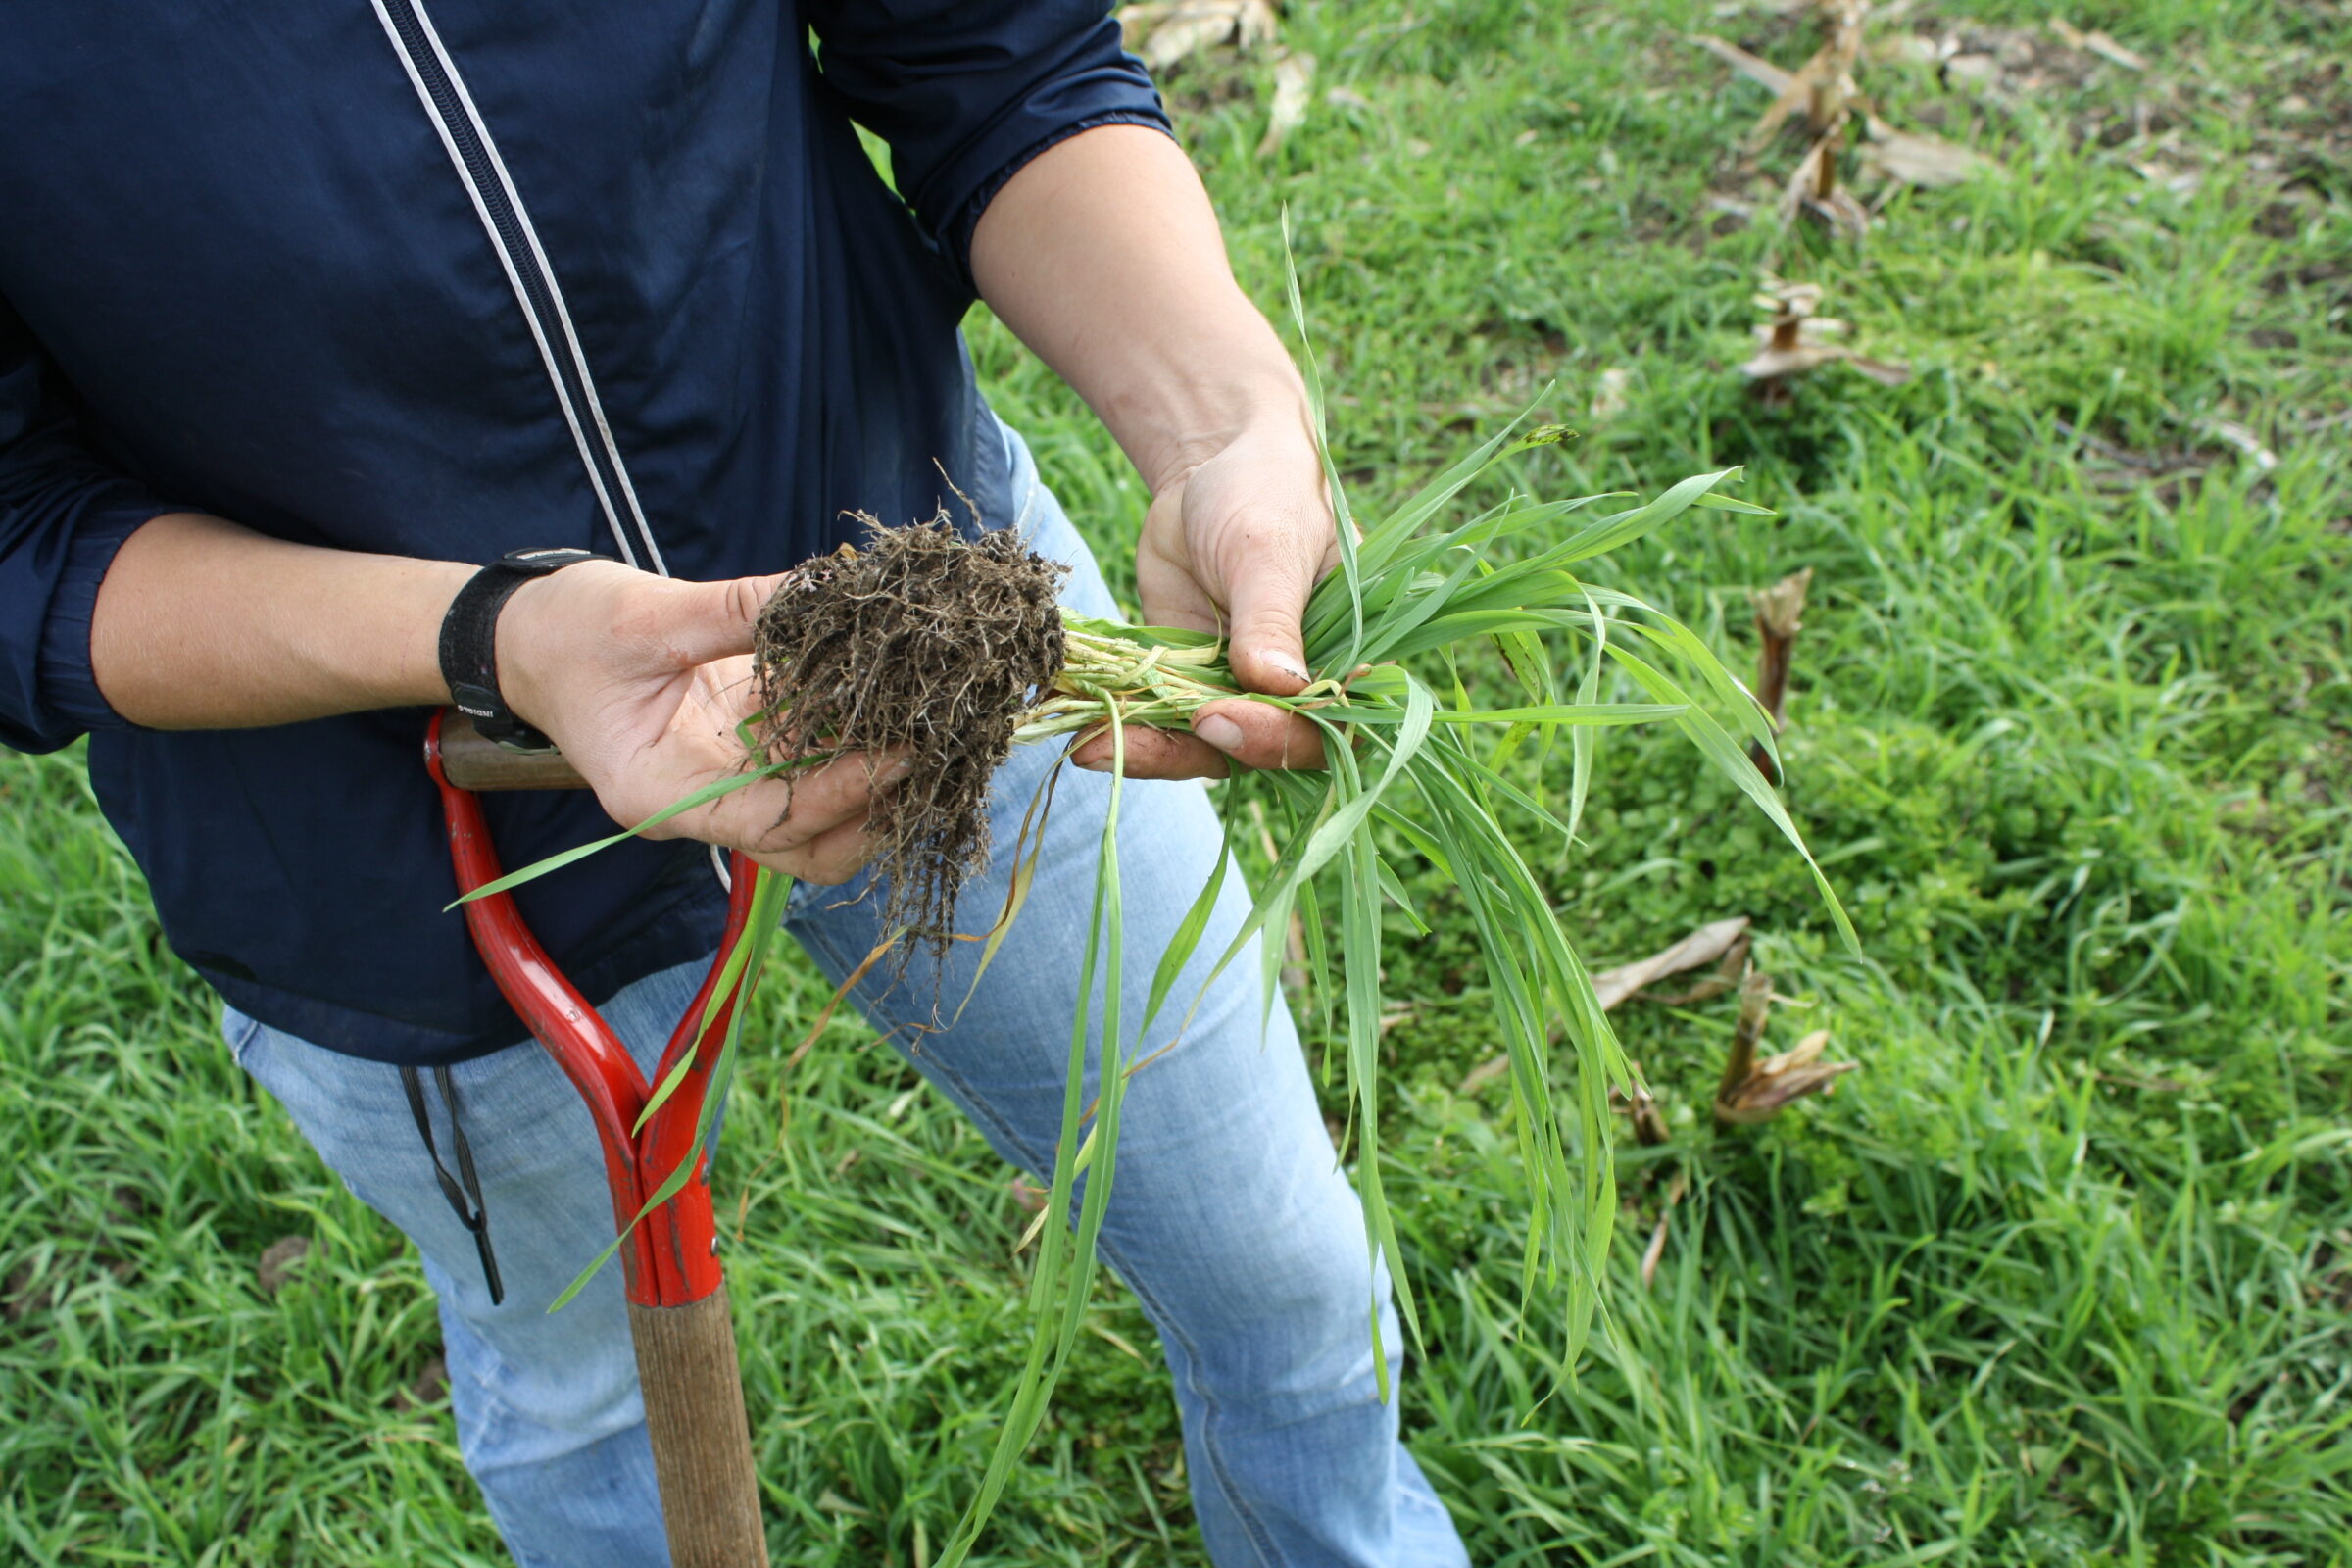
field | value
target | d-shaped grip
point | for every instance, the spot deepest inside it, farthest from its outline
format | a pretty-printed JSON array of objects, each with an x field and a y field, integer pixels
[{"x": 472, "y": 762}]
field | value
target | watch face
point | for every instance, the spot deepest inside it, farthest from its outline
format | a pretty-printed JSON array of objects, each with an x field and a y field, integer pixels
[{"x": 477, "y": 702}]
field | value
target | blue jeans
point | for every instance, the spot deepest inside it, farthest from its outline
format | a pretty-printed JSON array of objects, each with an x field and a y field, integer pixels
[{"x": 1228, "y": 1218}]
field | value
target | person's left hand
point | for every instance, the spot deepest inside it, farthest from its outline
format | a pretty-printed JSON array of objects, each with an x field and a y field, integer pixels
[{"x": 1234, "y": 545}]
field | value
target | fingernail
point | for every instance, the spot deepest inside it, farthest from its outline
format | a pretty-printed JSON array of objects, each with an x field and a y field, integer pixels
[
  {"x": 1290, "y": 666},
  {"x": 1095, "y": 765},
  {"x": 1218, "y": 730},
  {"x": 898, "y": 770}
]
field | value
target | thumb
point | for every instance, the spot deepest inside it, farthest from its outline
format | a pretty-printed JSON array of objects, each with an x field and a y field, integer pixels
[
  {"x": 1268, "y": 650},
  {"x": 711, "y": 620}
]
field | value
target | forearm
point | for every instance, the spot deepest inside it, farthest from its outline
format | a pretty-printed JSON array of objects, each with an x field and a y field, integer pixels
[
  {"x": 1104, "y": 255},
  {"x": 643, "y": 681},
  {"x": 201, "y": 624}
]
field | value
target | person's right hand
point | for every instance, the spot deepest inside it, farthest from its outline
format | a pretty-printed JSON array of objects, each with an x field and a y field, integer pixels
[{"x": 642, "y": 680}]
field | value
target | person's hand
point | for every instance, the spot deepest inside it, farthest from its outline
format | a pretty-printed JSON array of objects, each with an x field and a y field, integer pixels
[
  {"x": 1234, "y": 545},
  {"x": 641, "y": 681}
]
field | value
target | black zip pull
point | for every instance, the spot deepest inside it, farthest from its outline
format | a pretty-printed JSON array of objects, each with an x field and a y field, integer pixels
[{"x": 463, "y": 1190}]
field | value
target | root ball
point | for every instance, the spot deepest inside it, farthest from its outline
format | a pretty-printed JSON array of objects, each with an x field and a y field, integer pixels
[{"x": 925, "y": 642}]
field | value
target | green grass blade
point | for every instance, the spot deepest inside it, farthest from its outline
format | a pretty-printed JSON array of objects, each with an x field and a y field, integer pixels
[
  {"x": 1731, "y": 757},
  {"x": 1617, "y": 532},
  {"x": 1186, "y": 937},
  {"x": 1416, "y": 609},
  {"x": 1032, "y": 838},
  {"x": 702, "y": 797},
  {"x": 1566, "y": 715},
  {"x": 1393, "y": 888},
  {"x": 1350, "y": 577},
  {"x": 1058, "y": 1290},
  {"x": 1584, "y": 744},
  {"x": 1359, "y": 974},
  {"x": 767, "y": 907}
]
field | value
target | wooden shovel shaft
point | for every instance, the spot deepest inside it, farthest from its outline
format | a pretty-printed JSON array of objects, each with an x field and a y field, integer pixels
[
  {"x": 472, "y": 762},
  {"x": 702, "y": 1441}
]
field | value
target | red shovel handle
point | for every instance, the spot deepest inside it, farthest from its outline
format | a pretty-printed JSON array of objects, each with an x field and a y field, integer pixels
[{"x": 671, "y": 1255}]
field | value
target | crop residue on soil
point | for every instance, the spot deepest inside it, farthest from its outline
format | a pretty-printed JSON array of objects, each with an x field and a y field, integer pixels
[{"x": 928, "y": 643}]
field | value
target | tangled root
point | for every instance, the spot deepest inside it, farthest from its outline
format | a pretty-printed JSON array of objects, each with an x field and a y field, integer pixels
[{"x": 925, "y": 642}]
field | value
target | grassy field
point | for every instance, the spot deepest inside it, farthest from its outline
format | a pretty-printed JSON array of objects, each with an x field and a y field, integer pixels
[{"x": 2063, "y": 1275}]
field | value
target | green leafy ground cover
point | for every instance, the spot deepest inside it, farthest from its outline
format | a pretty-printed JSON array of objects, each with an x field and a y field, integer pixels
[{"x": 2065, "y": 1274}]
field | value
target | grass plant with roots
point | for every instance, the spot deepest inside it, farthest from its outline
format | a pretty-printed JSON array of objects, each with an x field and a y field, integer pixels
[{"x": 953, "y": 650}]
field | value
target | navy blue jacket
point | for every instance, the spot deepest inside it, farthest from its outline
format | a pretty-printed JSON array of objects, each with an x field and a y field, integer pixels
[{"x": 449, "y": 278}]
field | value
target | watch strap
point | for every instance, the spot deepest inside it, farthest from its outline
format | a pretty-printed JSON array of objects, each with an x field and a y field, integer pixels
[{"x": 469, "y": 643}]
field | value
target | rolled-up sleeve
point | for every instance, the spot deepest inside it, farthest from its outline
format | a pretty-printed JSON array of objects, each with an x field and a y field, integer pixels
[
  {"x": 62, "y": 515},
  {"x": 967, "y": 91}
]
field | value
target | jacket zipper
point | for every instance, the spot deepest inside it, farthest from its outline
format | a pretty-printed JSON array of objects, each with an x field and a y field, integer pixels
[{"x": 467, "y": 141}]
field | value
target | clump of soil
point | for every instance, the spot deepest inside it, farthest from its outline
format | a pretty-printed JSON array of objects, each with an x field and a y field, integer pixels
[{"x": 925, "y": 642}]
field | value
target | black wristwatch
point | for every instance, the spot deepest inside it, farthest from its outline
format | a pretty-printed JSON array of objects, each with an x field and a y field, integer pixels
[{"x": 469, "y": 643}]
